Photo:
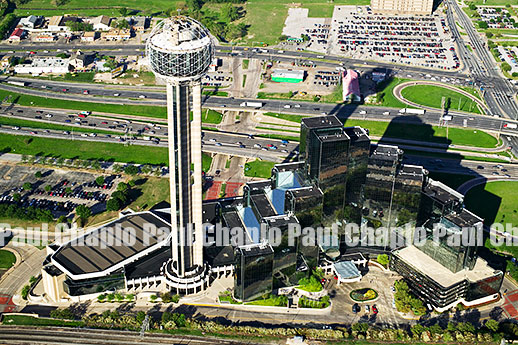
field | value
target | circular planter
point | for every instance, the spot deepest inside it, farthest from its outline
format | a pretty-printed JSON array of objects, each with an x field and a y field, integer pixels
[{"x": 363, "y": 295}]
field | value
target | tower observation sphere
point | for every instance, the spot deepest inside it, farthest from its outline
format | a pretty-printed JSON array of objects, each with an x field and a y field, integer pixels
[{"x": 180, "y": 51}]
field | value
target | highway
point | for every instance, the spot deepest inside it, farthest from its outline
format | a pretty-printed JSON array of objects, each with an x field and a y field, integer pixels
[
  {"x": 498, "y": 92},
  {"x": 47, "y": 49},
  {"x": 104, "y": 93},
  {"x": 132, "y": 133}
]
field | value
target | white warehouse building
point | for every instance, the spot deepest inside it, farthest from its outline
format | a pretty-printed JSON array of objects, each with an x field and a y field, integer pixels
[{"x": 44, "y": 65}]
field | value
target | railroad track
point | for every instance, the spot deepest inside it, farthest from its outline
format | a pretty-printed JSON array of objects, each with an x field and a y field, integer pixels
[{"x": 16, "y": 335}]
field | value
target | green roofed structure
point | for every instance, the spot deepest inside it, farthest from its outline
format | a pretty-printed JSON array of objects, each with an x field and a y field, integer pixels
[{"x": 288, "y": 76}]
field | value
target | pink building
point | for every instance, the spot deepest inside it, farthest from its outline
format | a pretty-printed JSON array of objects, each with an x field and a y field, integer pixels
[{"x": 351, "y": 86}]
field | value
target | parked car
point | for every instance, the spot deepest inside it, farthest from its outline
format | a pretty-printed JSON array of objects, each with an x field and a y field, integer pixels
[{"x": 356, "y": 308}]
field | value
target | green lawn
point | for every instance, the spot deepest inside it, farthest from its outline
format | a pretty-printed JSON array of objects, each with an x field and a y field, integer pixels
[
  {"x": 91, "y": 7},
  {"x": 457, "y": 136},
  {"x": 259, "y": 168},
  {"x": 211, "y": 116},
  {"x": 431, "y": 96},
  {"x": 494, "y": 2},
  {"x": 34, "y": 321},
  {"x": 495, "y": 202},
  {"x": 244, "y": 80},
  {"x": 7, "y": 259},
  {"x": 150, "y": 191},
  {"x": 28, "y": 145},
  {"x": 83, "y": 77},
  {"x": 272, "y": 301},
  {"x": 139, "y": 110},
  {"x": 245, "y": 63},
  {"x": 385, "y": 92}
]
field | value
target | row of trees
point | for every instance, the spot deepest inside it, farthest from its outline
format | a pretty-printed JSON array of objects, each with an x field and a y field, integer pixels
[
  {"x": 25, "y": 213},
  {"x": 461, "y": 332},
  {"x": 6, "y": 24},
  {"x": 405, "y": 301}
]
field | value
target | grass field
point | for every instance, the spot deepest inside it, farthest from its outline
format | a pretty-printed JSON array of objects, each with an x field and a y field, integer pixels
[
  {"x": 211, "y": 116},
  {"x": 431, "y": 96},
  {"x": 108, "y": 7},
  {"x": 83, "y": 77},
  {"x": 37, "y": 125},
  {"x": 34, "y": 321},
  {"x": 245, "y": 63},
  {"x": 7, "y": 259},
  {"x": 150, "y": 191},
  {"x": 457, "y": 136},
  {"x": 22, "y": 144},
  {"x": 259, "y": 168},
  {"x": 47, "y": 102},
  {"x": 496, "y": 202},
  {"x": 495, "y": 2},
  {"x": 385, "y": 92}
]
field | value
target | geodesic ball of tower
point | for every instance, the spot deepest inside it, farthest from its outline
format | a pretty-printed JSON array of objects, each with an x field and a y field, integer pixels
[{"x": 180, "y": 49}]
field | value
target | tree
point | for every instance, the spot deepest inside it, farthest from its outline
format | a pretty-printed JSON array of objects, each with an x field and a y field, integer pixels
[
  {"x": 506, "y": 67},
  {"x": 38, "y": 174},
  {"x": 99, "y": 180},
  {"x": 383, "y": 259},
  {"x": 482, "y": 24},
  {"x": 417, "y": 329},
  {"x": 141, "y": 316},
  {"x": 48, "y": 188},
  {"x": 58, "y": 3},
  {"x": 27, "y": 186},
  {"x": 123, "y": 11},
  {"x": 194, "y": 5},
  {"x": 131, "y": 170},
  {"x": 122, "y": 187},
  {"x": 489, "y": 34},
  {"x": 113, "y": 204},
  {"x": 229, "y": 12},
  {"x": 472, "y": 7},
  {"x": 122, "y": 24},
  {"x": 492, "y": 325},
  {"x": 83, "y": 212},
  {"x": 360, "y": 327},
  {"x": 117, "y": 168}
]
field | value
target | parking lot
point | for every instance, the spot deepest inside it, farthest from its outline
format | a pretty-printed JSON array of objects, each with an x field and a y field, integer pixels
[
  {"x": 356, "y": 32},
  {"x": 60, "y": 191}
]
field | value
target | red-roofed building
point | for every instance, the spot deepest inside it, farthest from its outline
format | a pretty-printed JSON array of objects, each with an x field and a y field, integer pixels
[
  {"x": 17, "y": 34},
  {"x": 351, "y": 86}
]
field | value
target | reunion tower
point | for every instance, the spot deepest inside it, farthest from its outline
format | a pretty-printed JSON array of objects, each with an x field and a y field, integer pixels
[{"x": 180, "y": 51}]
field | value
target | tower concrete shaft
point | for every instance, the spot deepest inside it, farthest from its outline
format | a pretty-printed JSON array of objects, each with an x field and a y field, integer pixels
[{"x": 185, "y": 156}]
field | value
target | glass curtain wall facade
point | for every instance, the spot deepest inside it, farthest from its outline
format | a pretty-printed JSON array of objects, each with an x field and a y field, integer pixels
[{"x": 253, "y": 271}]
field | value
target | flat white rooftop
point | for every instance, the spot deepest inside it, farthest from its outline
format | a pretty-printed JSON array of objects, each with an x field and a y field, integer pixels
[{"x": 443, "y": 276}]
